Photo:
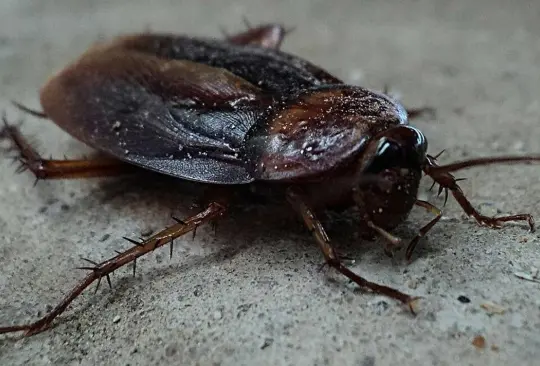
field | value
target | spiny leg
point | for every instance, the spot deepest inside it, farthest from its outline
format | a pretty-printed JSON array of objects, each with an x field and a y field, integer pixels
[
  {"x": 441, "y": 175},
  {"x": 331, "y": 257},
  {"x": 59, "y": 169},
  {"x": 30, "y": 111},
  {"x": 423, "y": 231},
  {"x": 271, "y": 36},
  {"x": 104, "y": 269},
  {"x": 264, "y": 35}
]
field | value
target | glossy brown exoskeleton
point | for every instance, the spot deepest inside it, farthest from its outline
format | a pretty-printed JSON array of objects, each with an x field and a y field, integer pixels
[{"x": 239, "y": 111}]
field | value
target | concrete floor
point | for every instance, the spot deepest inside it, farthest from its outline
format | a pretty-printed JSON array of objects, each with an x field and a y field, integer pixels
[{"x": 252, "y": 294}]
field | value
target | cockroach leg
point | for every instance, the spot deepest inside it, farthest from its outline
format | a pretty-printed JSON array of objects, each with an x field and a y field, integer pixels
[
  {"x": 30, "y": 159},
  {"x": 30, "y": 111},
  {"x": 441, "y": 175},
  {"x": 423, "y": 231},
  {"x": 393, "y": 242},
  {"x": 492, "y": 222},
  {"x": 266, "y": 35},
  {"x": 332, "y": 258},
  {"x": 104, "y": 269}
]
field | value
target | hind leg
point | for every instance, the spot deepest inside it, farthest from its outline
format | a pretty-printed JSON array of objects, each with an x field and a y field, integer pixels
[
  {"x": 31, "y": 160},
  {"x": 98, "y": 271},
  {"x": 265, "y": 35}
]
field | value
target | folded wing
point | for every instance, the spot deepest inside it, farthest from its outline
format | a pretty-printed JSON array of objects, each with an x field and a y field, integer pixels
[{"x": 177, "y": 117}]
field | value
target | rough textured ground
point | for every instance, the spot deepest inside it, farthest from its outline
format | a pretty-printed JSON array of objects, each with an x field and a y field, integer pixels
[{"x": 252, "y": 294}]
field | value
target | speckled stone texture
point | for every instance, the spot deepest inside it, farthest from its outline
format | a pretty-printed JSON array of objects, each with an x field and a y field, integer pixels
[{"x": 252, "y": 294}]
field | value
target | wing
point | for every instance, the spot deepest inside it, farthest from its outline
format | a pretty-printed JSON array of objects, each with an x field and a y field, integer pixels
[
  {"x": 319, "y": 130},
  {"x": 176, "y": 117},
  {"x": 274, "y": 71}
]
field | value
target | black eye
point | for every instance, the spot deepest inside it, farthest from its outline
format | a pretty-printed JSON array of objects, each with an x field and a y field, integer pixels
[{"x": 388, "y": 154}]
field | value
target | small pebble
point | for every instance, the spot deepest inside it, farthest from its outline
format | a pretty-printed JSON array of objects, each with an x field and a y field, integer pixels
[
  {"x": 116, "y": 319},
  {"x": 147, "y": 231},
  {"x": 217, "y": 315},
  {"x": 464, "y": 299},
  {"x": 379, "y": 307},
  {"x": 267, "y": 343},
  {"x": 492, "y": 308},
  {"x": 411, "y": 283},
  {"x": 479, "y": 342}
]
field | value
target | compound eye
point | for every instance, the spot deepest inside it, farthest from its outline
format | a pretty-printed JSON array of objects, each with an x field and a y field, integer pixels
[{"x": 388, "y": 154}]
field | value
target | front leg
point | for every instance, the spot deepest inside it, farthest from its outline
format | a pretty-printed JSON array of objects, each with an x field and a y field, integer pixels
[
  {"x": 447, "y": 181},
  {"x": 332, "y": 258}
]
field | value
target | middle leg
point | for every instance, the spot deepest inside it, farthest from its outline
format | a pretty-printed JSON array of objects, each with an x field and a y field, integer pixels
[{"x": 332, "y": 258}]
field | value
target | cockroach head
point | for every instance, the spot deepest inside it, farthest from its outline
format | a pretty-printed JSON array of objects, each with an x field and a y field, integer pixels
[
  {"x": 401, "y": 147},
  {"x": 389, "y": 174},
  {"x": 396, "y": 152}
]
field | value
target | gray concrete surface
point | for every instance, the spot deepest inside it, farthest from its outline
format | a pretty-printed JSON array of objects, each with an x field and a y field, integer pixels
[{"x": 252, "y": 294}]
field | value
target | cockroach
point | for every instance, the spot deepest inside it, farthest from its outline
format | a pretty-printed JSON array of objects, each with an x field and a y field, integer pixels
[{"x": 239, "y": 111}]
